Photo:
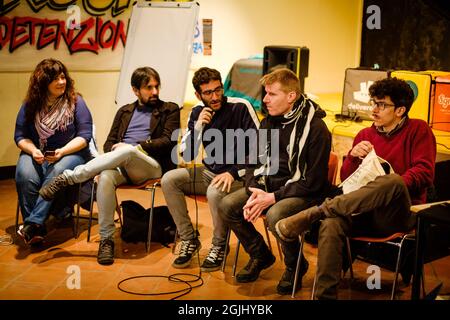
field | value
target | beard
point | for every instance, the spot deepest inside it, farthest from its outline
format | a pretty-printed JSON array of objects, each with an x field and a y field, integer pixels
[
  {"x": 152, "y": 101},
  {"x": 220, "y": 101}
]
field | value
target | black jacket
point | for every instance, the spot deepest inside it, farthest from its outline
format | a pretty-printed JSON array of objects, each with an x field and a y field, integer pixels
[
  {"x": 235, "y": 114},
  {"x": 165, "y": 119},
  {"x": 314, "y": 181}
]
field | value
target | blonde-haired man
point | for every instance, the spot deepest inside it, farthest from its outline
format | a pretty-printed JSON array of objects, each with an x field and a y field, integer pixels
[{"x": 293, "y": 178}]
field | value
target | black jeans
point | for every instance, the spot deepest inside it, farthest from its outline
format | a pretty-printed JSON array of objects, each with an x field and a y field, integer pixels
[{"x": 252, "y": 241}]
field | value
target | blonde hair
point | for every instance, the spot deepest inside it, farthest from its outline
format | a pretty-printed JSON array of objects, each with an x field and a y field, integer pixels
[{"x": 286, "y": 78}]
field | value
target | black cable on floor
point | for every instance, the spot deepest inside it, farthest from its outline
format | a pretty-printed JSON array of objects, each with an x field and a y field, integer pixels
[{"x": 174, "y": 277}]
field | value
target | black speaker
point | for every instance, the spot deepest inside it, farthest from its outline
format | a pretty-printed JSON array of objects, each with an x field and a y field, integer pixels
[{"x": 293, "y": 58}]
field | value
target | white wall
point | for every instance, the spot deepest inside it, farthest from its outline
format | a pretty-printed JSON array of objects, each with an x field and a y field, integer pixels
[{"x": 329, "y": 28}]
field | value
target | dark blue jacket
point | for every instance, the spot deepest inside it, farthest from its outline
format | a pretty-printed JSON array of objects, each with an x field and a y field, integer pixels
[
  {"x": 235, "y": 113},
  {"x": 81, "y": 127}
]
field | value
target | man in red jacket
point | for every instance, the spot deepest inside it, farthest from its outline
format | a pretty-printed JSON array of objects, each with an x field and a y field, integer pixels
[{"x": 382, "y": 207}]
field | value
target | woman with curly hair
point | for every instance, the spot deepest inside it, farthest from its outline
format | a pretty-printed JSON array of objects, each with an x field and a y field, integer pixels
[{"x": 53, "y": 130}]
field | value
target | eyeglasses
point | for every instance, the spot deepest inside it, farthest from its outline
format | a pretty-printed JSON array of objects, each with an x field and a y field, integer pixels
[
  {"x": 208, "y": 93},
  {"x": 380, "y": 104}
]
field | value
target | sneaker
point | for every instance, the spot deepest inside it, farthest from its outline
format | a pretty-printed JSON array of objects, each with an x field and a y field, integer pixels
[
  {"x": 48, "y": 191},
  {"x": 286, "y": 283},
  {"x": 187, "y": 250},
  {"x": 32, "y": 233},
  {"x": 214, "y": 259},
  {"x": 253, "y": 268},
  {"x": 105, "y": 254}
]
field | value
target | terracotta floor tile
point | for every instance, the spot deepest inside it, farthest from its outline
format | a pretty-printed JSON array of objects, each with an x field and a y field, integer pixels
[
  {"x": 41, "y": 273},
  {"x": 96, "y": 279},
  {"x": 38, "y": 274},
  {"x": 62, "y": 258},
  {"x": 4, "y": 283},
  {"x": 92, "y": 265},
  {"x": 25, "y": 291},
  {"x": 64, "y": 293},
  {"x": 137, "y": 269},
  {"x": 111, "y": 292},
  {"x": 20, "y": 255},
  {"x": 10, "y": 271},
  {"x": 4, "y": 248}
]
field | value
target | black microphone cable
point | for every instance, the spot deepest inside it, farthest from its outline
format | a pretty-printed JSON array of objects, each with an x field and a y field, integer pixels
[{"x": 176, "y": 277}]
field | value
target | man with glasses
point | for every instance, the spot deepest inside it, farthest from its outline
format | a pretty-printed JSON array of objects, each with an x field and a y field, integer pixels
[
  {"x": 210, "y": 123},
  {"x": 382, "y": 207}
]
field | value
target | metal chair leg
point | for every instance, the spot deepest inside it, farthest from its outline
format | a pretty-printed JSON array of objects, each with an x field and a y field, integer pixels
[
  {"x": 120, "y": 219},
  {"x": 397, "y": 266},
  {"x": 349, "y": 255},
  {"x": 227, "y": 246},
  {"x": 150, "y": 220},
  {"x": 269, "y": 243},
  {"x": 236, "y": 257},
  {"x": 118, "y": 210},
  {"x": 175, "y": 241},
  {"x": 266, "y": 228},
  {"x": 77, "y": 224},
  {"x": 423, "y": 282},
  {"x": 314, "y": 286},
  {"x": 313, "y": 291},
  {"x": 301, "y": 238},
  {"x": 280, "y": 252},
  {"x": 17, "y": 216},
  {"x": 91, "y": 210}
]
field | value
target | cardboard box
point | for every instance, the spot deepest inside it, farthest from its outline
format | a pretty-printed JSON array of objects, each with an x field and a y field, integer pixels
[{"x": 440, "y": 111}]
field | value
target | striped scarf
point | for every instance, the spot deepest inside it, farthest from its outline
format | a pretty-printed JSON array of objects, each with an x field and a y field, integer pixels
[
  {"x": 51, "y": 118},
  {"x": 301, "y": 115}
]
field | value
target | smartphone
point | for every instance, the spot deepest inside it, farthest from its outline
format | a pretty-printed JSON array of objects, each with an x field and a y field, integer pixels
[{"x": 49, "y": 153}]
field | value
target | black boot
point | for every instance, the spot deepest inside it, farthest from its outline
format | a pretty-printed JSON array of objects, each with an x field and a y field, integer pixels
[
  {"x": 105, "y": 254},
  {"x": 286, "y": 283},
  {"x": 254, "y": 267}
]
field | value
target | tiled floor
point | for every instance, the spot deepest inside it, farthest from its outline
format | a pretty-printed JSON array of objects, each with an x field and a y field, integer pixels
[{"x": 50, "y": 271}]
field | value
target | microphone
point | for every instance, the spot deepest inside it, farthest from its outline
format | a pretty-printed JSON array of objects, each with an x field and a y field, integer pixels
[
  {"x": 200, "y": 126},
  {"x": 211, "y": 112}
]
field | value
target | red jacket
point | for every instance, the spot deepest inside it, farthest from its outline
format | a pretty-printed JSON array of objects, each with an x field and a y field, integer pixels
[{"x": 411, "y": 151}]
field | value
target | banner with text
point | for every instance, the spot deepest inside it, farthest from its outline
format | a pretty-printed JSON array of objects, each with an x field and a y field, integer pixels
[{"x": 84, "y": 34}]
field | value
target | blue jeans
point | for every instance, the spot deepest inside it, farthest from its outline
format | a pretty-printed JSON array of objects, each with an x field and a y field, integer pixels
[{"x": 31, "y": 176}]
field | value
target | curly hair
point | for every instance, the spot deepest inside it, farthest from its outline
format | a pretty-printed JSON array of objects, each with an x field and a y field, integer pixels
[
  {"x": 398, "y": 90},
  {"x": 205, "y": 75},
  {"x": 45, "y": 72}
]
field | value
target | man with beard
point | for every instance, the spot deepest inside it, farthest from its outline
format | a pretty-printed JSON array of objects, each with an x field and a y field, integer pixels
[
  {"x": 210, "y": 123},
  {"x": 138, "y": 148}
]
